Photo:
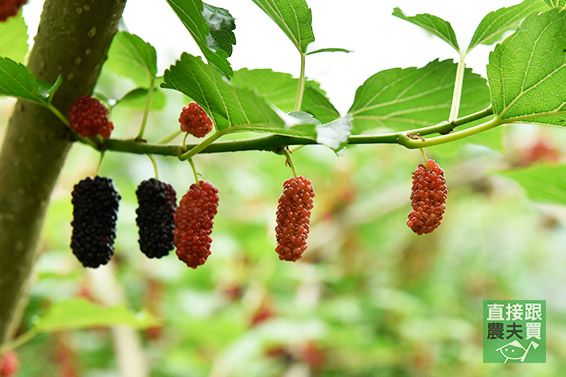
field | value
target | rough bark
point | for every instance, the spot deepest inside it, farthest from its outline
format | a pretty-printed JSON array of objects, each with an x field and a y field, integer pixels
[{"x": 72, "y": 41}]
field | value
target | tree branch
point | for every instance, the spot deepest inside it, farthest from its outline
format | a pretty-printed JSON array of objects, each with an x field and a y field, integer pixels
[
  {"x": 72, "y": 41},
  {"x": 275, "y": 142}
]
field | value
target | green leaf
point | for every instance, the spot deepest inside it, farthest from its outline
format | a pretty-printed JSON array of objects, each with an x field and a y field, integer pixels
[
  {"x": 294, "y": 17},
  {"x": 527, "y": 71},
  {"x": 231, "y": 108},
  {"x": 555, "y": 3},
  {"x": 402, "y": 99},
  {"x": 192, "y": 14},
  {"x": 496, "y": 23},
  {"x": 221, "y": 25},
  {"x": 542, "y": 183},
  {"x": 17, "y": 81},
  {"x": 329, "y": 49},
  {"x": 129, "y": 56},
  {"x": 281, "y": 89},
  {"x": 335, "y": 134},
  {"x": 137, "y": 98},
  {"x": 14, "y": 41},
  {"x": 80, "y": 313},
  {"x": 432, "y": 24}
]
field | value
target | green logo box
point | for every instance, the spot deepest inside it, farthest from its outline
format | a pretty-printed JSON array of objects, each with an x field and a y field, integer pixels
[{"x": 514, "y": 331}]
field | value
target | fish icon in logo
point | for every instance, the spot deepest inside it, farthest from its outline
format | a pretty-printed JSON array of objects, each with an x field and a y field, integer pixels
[{"x": 516, "y": 351}]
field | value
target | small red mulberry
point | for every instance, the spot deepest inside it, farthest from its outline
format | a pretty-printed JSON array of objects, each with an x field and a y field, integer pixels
[
  {"x": 193, "y": 223},
  {"x": 9, "y": 364},
  {"x": 89, "y": 117},
  {"x": 428, "y": 198},
  {"x": 195, "y": 120},
  {"x": 293, "y": 217},
  {"x": 9, "y": 8}
]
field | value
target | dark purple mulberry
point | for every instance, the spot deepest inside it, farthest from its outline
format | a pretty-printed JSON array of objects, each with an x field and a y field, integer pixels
[
  {"x": 95, "y": 208},
  {"x": 157, "y": 202}
]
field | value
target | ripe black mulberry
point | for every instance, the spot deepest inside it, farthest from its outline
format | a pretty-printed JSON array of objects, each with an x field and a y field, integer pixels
[
  {"x": 157, "y": 202},
  {"x": 195, "y": 120},
  {"x": 428, "y": 198},
  {"x": 89, "y": 117},
  {"x": 95, "y": 209},
  {"x": 193, "y": 223},
  {"x": 293, "y": 217}
]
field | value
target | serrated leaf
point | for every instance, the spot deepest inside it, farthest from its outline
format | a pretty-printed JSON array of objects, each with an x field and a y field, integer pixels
[
  {"x": 17, "y": 81},
  {"x": 80, "y": 313},
  {"x": 402, "y": 99},
  {"x": 329, "y": 49},
  {"x": 137, "y": 98},
  {"x": 527, "y": 72},
  {"x": 129, "y": 56},
  {"x": 294, "y": 17},
  {"x": 221, "y": 25},
  {"x": 335, "y": 134},
  {"x": 231, "y": 108},
  {"x": 496, "y": 23},
  {"x": 191, "y": 14},
  {"x": 555, "y": 3},
  {"x": 281, "y": 89},
  {"x": 432, "y": 24},
  {"x": 14, "y": 41},
  {"x": 542, "y": 183}
]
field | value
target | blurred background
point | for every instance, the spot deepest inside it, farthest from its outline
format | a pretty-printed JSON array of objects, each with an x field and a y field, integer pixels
[{"x": 369, "y": 297}]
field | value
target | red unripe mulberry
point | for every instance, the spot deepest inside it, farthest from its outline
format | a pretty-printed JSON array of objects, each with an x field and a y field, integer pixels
[
  {"x": 9, "y": 364},
  {"x": 89, "y": 117},
  {"x": 9, "y": 8},
  {"x": 293, "y": 217},
  {"x": 428, "y": 198},
  {"x": 195, "y": 120},
  {"x": 193, "y": 223}
]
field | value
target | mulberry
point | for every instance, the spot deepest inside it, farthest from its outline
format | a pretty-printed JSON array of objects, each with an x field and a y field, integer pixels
[
  {"x": 195, "y": 120},
  {"x": 9, "y": 8},
  {"x": 428, "y": 198},
  {"x": 293, "y": 217},
  {"x": 9, "y": 364},
  {"x": 193, "y": 223},
  {"x": 89, "y": 117},
  {"x": 95, "y": 207},
  {"x": 157, "y": 202}
]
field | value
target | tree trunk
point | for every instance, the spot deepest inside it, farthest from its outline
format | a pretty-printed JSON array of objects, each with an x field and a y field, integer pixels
[{"x": 72, "y": 41}]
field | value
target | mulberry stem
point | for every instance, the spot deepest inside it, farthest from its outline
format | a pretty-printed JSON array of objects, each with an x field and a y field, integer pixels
[
  {"x": 290, "y": 161},
  {"x": 194, "y": 172},
  {"x": 154, "y": 163},
  {"x": 170, "y": 137},
  {"x": 185, "y": 139},
  {"x": 425, "y": 159},
  {"x": 147, "y": 108},
  {"x": 99, "y": 163}
]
